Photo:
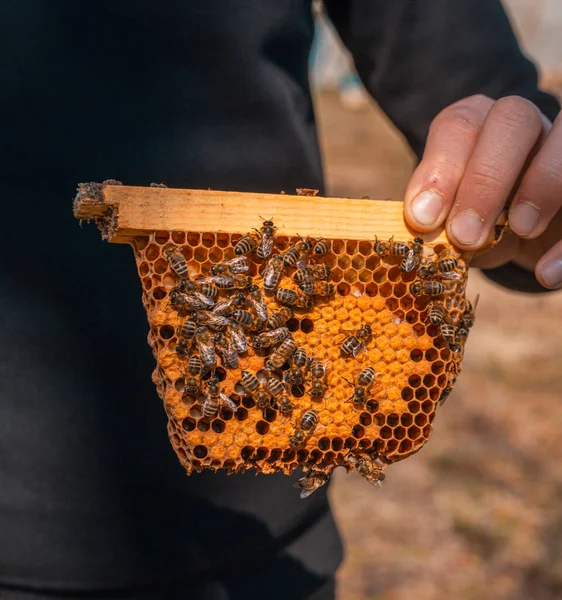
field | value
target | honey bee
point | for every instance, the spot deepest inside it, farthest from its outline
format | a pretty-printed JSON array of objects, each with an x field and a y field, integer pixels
[
  {"x": 188, "y": 329},
  {"x": 227, "y": 351},
  {"x": 427, "y": 288},
  {"x": 212, "y": 320},
  {"x": 253, "y": 388},
  {"x": 265, "y": 245},
  {"x": 182, "y": 348},
  {"x": 282, "y": 354},
  {"x": 272, "y": 273},
  {"x": 247, "y": 244},
  {"x": 305, "y": 427},
  {"x": 193, "y": 380},
  {"x": 381, "y": 248},
  {"x": 318, "y": 377},
  {"x": 176, "y": 261},
  {"x": 364, "y": 384},
  {"x": 285, "y": 406},
  {"x": 317, "y": 288},
  {"x": 369, "y": 468},
  {"x": 413, "y": 258},
  {"x": 397, "y": 248},
  {"x": 246, "y": 319},
  {"x": 322, "y": 247},
  {"x": 354, "y": 343},
  {"x": 206, "y": 349},
  {"x": 195, "y": 287},
  {"x": 228, "y": 282},
  {"x": 304, "y": 275},
  {"x": 279, "y": 318},
  {"x": 436, "y": 312},
  {"x": 312, "y": 480},
  {"x": 427, "y": 270},
  {"x": 321, "y": 271},
  {"x": 461, "y": 335},
  {"x": 227, "y": 306},
  {"x": 445, "y": 394},
  {"x": 270, "y": 338},
  {"x": 296, "y": 252},
  {"x": 297, "y": 373},
  {"x": 467, "y": 318},
  {"x": 238, "y": 338},
  {"x": 214, "y": 399},
  {"x": 447, "y": 331},
  {"x": 257, "y": 302},
  {"x": 190, "y": 302},
  {"x": 275, "y": 388},
  {"x": 234, "y": 266},
  {"x": 293, "y": 299}
]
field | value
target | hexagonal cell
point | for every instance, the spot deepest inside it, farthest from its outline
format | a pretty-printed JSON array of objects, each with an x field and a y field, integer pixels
[
  {"x": 200, "y": 254},
  {"x": 351, "y": 247},
  {"x": 379, "y": 419},
  {"x": 216, "y": 255},
  {"x": 427, "y": 407},
  {"x": 372, "y": 290},
  {"x": 421, "y": 393},
  {"x": 394, "y": 273},
  {"x": 365, "y": 419},
  {"x": 337, "y": 444},
  {"x": 337, "y": 275},
  {"x": 372, "y": 262},
  {"x": 407, "y": 394},
  {"x": 391, "y": 303},
  {"x": 338, "y": 246},
  {"x": 399, "y": 433},
  {"x": 428, "y": 381},
  {"x": 414, "y": 380},
  {"x": 420, "y": 419},
  {"x": 144, "y": 269},
  {"x": 365, "y": 248},
  {"x": 208, "y": 239},
  {"x": 358, "y": 262},
  {"x": 385, "y": 432},
  {"x": 380, "y": 275},
  {"x": 161, "y": 237},
  {"x": 385, "y": 290},
  {"x": 160, "y": 266},
  {"x": 344, "y": 262},
  {"x": 364, "y": 276},
  {"x": 405, "y": 446},
  {"x": 223, "y": 240},
  {"x": 152, "y": 252},
  {"x": 343, "y": 289},
  {"x": 416, "y": 354},
  {"x": 414, "y": 406},
  {"x": 393, "y": 419},
  {"x": 400, "y": 289},
  {"x": 193, "y": 238}
]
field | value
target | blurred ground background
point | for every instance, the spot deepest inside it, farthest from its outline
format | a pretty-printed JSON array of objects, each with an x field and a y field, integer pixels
[{"x": 477, "y": 514}]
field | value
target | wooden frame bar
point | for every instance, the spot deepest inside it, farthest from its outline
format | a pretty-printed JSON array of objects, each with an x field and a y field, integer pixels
[{"x": 125, "y": 212}]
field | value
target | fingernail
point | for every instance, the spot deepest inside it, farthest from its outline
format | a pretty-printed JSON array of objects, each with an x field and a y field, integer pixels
[
  {"x": 427, "y": 207},
  {"x": 467, "y": 228},
  {"x": 523, "y": 218},
  {"x": 552, "y": 273}
]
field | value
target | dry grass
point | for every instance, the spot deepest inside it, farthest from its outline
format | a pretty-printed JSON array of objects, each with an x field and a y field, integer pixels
[{"x": 476, "y": 514}]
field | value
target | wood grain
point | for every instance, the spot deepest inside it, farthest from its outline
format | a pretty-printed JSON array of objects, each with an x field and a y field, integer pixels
[{"x": 125, "y": 212}]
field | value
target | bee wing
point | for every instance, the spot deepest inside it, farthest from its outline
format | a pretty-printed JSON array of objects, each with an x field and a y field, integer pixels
[
  {"x": 228, "y": 402},
  {"x": 205, "y": 300},
  {"x": 260, "y": 308},
  {"x": 450, "y": 275}
]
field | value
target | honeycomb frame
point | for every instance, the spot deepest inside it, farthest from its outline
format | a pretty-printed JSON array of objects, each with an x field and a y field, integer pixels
[{"x": 416, "y": 369}]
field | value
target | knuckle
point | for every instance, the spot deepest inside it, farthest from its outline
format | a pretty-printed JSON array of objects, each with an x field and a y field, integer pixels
[
  {"x": 515, "y": 111},
  {"x": 486, "y": 180},
  {"x": 461, "y": 117}
]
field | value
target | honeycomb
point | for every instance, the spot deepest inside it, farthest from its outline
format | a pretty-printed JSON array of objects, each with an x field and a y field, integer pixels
[{"x": 415, "y": 364}]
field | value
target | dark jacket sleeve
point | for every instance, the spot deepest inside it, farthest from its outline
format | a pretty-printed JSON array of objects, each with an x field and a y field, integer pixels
[{"x": 418, "y": 56}]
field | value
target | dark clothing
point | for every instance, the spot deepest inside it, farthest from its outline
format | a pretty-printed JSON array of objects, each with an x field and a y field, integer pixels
[{"x": 196, "y": 94}]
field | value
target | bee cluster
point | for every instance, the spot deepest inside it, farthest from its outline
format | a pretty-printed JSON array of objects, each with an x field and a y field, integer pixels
[{"x": 277, "y": 352}]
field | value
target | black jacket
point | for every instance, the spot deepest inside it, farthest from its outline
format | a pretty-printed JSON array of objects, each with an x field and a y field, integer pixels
[{"x": 198, "y": 94}]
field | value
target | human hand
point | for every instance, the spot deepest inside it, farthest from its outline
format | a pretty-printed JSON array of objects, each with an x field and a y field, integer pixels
[{"x": 480, "y": 154}]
